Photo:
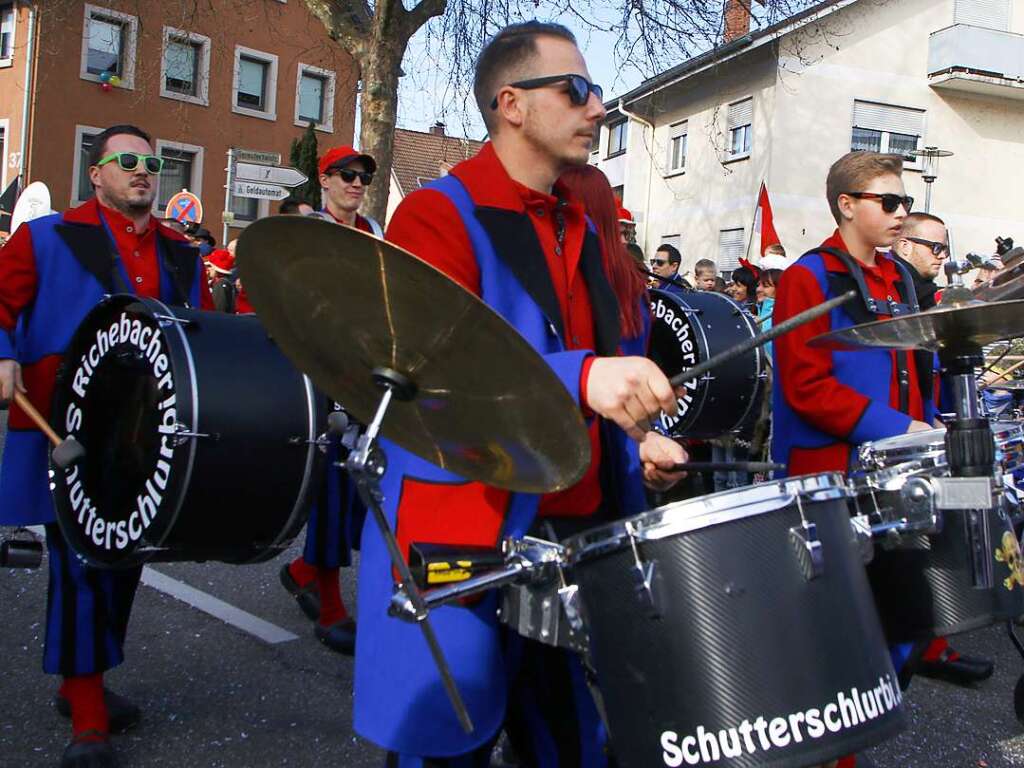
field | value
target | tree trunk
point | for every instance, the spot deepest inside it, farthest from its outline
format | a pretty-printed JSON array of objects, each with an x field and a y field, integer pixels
[{"x": 379, "y": 111}]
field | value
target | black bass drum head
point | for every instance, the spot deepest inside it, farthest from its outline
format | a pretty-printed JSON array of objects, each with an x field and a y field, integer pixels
[{"x": 123, "y": 392}]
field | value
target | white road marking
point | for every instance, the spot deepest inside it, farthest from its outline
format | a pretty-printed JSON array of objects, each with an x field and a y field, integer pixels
[{"x": 229, "y": 614}]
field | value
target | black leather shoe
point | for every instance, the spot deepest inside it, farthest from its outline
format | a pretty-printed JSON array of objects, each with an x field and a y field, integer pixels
[
  {"x": 962, "y": 670},
  {"x": 308, "y": 597},
  {"x": 90, "y": 749},
  {"x": 340, "y": 637},
  {"x": 124, "y": 714}
]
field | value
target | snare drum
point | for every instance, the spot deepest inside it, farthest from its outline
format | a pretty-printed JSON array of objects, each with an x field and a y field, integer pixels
[
  {"x": 200, "y": 437},
  {"x": 923, "y": 574},
  {"x": 737, "y": 629},
  {"x": 687, "y": 330}
]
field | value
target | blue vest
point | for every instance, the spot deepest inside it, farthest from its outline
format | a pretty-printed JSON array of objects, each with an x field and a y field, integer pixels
[
  {"x": 68, "y": 286},
  {"x": 399, "y": 699},
  {"x": 868, "y": 371}
]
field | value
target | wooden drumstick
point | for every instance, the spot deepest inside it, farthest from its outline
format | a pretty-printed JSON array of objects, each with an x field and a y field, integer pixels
[
  {"x": 65, "y": 452},
  {"x": 1004, "y": 374}
]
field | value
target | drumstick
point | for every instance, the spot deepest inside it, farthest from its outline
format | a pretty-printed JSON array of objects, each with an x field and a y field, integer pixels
[
  {"x": 728, "y": 466},
  {"x": 1004, "y": 374},
  {"x": 65, "y": 452},
  {"x": 756, "y": 341}
]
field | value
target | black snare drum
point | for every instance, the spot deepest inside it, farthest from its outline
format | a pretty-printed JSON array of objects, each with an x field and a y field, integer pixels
[
  {"x": 689, "y": 329},
  {"x": 199, "y": 437},
  {"x": 737, "y": 629}
]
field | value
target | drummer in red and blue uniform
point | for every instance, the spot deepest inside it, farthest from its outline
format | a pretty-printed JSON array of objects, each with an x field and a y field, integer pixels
[
  {"x": 336, "y": 517},
  {"x": 827, "y": 403},
  {"x": 503, "y": 227},
  {"x": 53, "y": 271}
]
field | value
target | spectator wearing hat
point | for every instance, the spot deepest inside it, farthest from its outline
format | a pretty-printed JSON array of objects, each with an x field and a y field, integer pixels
[
  {"x": 627, "y": 226},
  {"x": 220, "y": 266},
  {"x": 344, "y": 176}
]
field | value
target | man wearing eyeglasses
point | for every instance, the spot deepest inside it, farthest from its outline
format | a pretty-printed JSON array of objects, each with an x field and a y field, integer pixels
[
  {"x": 53, "y": 271},
  {"x": 344, "y": 176},
  {"x": 502, "y": 226}
]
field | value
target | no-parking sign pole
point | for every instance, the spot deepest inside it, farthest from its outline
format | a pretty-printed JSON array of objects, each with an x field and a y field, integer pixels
[{"x": 227, "y": 196}]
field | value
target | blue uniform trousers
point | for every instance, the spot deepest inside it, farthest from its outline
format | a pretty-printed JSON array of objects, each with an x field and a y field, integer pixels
[{"x": 87, "y": 612}]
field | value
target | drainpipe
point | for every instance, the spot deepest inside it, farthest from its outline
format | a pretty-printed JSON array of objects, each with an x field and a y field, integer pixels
[
  {"x": 650, "y": 172},
  {"x": 23, "y": 164}
]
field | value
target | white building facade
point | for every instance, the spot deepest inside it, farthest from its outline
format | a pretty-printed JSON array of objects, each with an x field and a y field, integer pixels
[{"x": 689, "y": 149}]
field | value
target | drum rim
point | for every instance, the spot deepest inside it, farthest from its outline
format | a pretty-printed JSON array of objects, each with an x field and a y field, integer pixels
[{"x": 710, "y": 511}]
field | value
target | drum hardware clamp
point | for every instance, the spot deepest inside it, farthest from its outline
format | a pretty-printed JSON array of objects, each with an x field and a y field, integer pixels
[
  {"x": 166, "y": 320},
  {"x": 807, "y": 545},
  {"x": 863, "y": 537},
  {"x": 643, "y": 573},
  {"x": 182, "y": 433}
]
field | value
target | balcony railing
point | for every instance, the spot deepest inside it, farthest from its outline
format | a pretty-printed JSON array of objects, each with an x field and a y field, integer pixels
[{"x": 976, "y": 52}]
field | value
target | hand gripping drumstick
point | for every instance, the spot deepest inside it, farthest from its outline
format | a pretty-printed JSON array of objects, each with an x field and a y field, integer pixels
[
  {"x": 65, "y": 452},
  {"x": 1003, "y": 375}
]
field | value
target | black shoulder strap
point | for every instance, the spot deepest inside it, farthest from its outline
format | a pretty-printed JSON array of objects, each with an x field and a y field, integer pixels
[
  {"x": 92, "y": 248},
  {"x": 876, "y": 307},
  {"x": 179, "y": 260}
]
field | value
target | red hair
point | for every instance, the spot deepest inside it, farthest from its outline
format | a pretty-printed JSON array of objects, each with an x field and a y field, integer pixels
[{"x": 589, "y": 186}]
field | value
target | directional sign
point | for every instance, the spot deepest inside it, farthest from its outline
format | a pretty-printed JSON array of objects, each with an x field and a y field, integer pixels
[
  {"x": 283, "y": 175},
  {"x": 259, "y": 191},
  {"x": 255, "y": 156},
  {"x": 185, "y": 207}
]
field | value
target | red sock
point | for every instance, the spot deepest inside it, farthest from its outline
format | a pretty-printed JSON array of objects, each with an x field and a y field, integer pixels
[
  {"x": 937, "y": 648},
  {"x": 332, "y": 609},
  {"x": 88, "y": 709},
  {"x": 302, "y": 572}
]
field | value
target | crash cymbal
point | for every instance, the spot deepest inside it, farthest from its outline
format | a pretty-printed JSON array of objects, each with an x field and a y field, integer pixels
[
  {"x": 941, "y": 328},
  {"x": 341, "y": 303}
]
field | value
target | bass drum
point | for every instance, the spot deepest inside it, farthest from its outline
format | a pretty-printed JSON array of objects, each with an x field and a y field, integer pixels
[
  {"x": 687, "y": 330},
  {"x": 199, "y": 436}
]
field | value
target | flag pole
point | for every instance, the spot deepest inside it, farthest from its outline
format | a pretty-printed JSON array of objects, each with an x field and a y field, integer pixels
[{"x": 753, "y": 221}]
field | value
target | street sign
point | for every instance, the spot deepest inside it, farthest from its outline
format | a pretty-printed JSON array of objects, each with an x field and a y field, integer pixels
[
  {"x": 259, "y": 191},
  {"x": 255, "y": 156},
  {"x": 184, "y": 207},
  {"x": 284, "y": 175}
]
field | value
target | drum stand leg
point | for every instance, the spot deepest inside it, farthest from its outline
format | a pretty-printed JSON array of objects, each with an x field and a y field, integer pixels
[
  {"x": 367, "y": 464},
  {"x": 1018, "y": 689}
]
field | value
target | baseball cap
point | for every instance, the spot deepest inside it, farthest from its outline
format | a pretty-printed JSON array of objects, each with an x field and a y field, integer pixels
[
  {"x": 625, "y": 215},
  {"x": 339, "y": 157}
]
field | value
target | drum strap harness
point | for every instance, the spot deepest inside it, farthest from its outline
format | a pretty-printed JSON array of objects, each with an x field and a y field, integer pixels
[{"x": 869, "y": 309}]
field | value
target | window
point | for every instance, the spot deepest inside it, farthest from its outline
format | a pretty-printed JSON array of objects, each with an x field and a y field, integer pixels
[
  {"x": 255, "y": 83},
  {"x": 246, "y": 209},
  {"x": 993, "y": 14},
  {"x": 185, "y": 74},
  {"x": 740, "y": 123},
  {"x": 81, "y": 189},
  {"x": 6, "y": 32},
  {"x": 885, "y": 128},
  {"x": 314, "y": 97},
  {"x": 677, "y": 146},
  {"x": 674, "y": 240},
  {"x": 183, "y": 169},
  {"x": 108, "y": 45},
  {"x": 618, "y": 134},
  {"x": 730, "y": 249}
]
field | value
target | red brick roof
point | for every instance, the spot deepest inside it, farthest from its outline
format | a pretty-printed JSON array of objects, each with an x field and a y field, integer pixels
[{"x": 421, "y": 157}]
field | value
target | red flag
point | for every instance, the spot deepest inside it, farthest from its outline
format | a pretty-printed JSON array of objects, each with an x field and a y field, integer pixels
[{"x": 764, "y": 208}]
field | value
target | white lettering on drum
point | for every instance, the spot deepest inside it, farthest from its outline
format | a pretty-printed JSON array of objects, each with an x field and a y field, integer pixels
[{"x": 683, "y": 333}]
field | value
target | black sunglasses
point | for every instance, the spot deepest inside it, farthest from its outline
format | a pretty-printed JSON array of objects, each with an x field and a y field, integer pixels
[
  {"x": 348, "y": 176},
  {"x": 936, "y": 248},
  {"x": 659, "y": 262},
  {"x": 579, "y": 88},
  {"x": 890, "y": 201}
]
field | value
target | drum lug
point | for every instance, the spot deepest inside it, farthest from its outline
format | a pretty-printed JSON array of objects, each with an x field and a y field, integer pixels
[
  {"x": 182, "y": 434},
  {"x": 643, "y": 577},
  {"x": 166, "y": 320},
  {"x": 860, "y": 525},
  {"x": 809, "y": 554},
  {"x": 570, "y": 597}
]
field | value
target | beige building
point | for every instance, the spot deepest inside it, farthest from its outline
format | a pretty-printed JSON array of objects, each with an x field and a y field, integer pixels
[
  {"x": 200, "y": 77},
  {"x": 690, "y": 148}
]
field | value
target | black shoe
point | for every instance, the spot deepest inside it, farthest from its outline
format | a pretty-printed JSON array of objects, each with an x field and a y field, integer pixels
[
  {"x": 963, "y": 670},
  {"x": 90, "y": 749},
  {"x": 340, "y": 637},
  {"x": 308, "y": 597},
  {"x": 124, "y": 714}
]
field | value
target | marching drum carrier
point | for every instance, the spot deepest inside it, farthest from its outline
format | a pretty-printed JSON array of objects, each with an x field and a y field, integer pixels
[{"x": 199, "y": 435}]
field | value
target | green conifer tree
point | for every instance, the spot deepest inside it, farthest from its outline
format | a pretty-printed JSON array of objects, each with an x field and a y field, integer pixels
[{"x": 303, "y": 156}]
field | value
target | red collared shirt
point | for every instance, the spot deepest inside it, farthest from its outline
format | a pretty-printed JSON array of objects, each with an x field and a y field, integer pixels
[
  {"x": 361, "y": 223},
  {"x": 138, "y": 251},
  {"x": 432, "y": 230}
]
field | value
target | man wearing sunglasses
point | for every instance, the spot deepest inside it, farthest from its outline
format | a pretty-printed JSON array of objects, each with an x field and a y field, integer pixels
[
  {"x": 53, "y": 271},
  {"x": 665, "y": 265},
  {"x": 503, "y": 227},
  {"x": 344, "y": 176}
]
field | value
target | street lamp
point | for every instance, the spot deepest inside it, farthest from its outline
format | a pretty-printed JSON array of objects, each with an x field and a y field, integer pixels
[{"x": 931, "y": 157}]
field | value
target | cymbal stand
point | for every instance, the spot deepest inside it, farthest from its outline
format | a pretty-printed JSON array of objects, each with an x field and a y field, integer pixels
[
  {"x": 971, "y": 451},
  {"x": 366, "y": 464}
]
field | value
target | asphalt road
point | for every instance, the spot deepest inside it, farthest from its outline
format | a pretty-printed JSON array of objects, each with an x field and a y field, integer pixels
[{"x": 214, "y": 694}]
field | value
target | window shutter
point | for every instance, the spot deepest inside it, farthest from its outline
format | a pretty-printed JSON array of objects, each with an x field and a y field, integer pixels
[
  {"x": 674, "y": 240},
  {"x": 730, "y": 249},
  {"x": 740, "y": 113},
  {"x": 993, "y": 14},
  {"x": 679, "y": 129},
  {"x": 882, "y": 117}
]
